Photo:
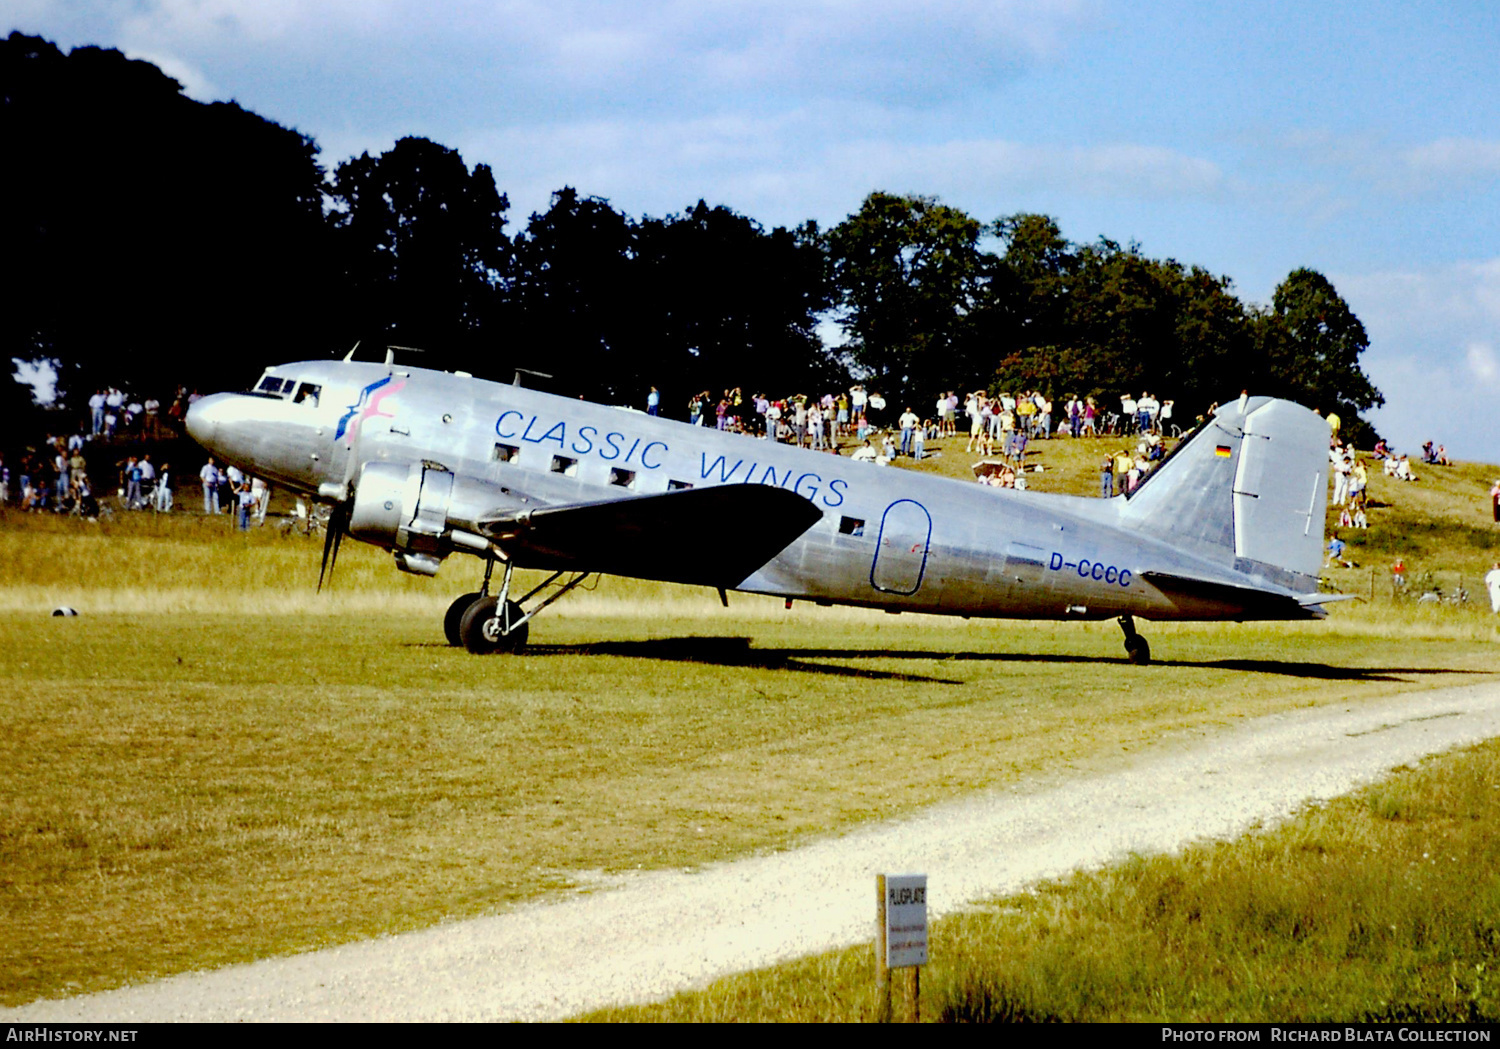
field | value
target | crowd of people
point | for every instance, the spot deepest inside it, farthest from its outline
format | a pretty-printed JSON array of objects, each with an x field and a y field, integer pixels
[
  {"x": 113, "y": 414},
  {"x": 56, "y": 474},
  {"x": 226, "y": 489},
  {"x": 1001, "y": 424},
  {"x": 56, "y": 478},
  {"x": 819, "y": 422}
]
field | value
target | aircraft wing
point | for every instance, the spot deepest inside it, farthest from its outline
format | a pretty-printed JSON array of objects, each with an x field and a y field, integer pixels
[{"x": 704, "y": 536}]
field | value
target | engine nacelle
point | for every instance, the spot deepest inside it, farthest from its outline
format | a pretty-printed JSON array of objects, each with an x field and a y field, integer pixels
[
  {"x": 412, "y": 509},
  {"x": 402, "y": 506}
]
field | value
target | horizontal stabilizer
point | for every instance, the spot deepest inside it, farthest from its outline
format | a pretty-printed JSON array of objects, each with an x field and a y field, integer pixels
[
  {"x": 1323, "y": 599},
  {"x": 705, "y": 536},
  {"x": 1210, "y": 599}
]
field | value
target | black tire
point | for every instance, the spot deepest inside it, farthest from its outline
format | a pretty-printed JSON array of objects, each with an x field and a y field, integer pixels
[
  {"x": 453, "y": 618},
  {"x": 1138, "y": 651},
  {"x": 481, "y": 628}
]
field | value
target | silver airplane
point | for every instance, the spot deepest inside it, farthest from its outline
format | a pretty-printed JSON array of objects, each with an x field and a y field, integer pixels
[{"x": 426, "y": 464}]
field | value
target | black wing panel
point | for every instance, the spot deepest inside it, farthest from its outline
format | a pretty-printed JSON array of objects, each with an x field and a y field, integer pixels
[{"x": 705, "y": 536}]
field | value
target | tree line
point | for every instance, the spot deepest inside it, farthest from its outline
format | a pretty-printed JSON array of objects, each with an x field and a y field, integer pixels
[{"x": 159, "y": 241}]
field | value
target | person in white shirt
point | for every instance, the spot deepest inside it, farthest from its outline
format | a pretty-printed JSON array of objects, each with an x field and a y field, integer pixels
[
  {"x": 773, "y": 420},
  {"x": 96, "y": 413},
  {"x": 1492, "y": 584},
  {"x": 909, "y": 422},
  {"x": 164, "y": 488},
  {"x": 209, "y": 475},
  {"x": 1145, "y": 410}
]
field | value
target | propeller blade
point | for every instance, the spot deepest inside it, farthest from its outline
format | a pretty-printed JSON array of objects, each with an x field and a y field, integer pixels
[{"x": 338, "y": 521}]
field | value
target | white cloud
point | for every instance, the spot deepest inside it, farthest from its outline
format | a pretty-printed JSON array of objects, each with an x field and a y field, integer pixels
[
  {"x": 601, "y": 53},
  {"x": 1433, "y": 334},
  {"x": 1119, "y": 170},
  {"x": 1445, "y": 160},
  {"x": 195, "y": 83},
  {"x": 821, "y": 161},
  {"x": 1483, "y": 365},
  {"x": 1438, "y": 167},
  {"x": 1439, "y": 302},
  {"x": 251, "y": 23}
]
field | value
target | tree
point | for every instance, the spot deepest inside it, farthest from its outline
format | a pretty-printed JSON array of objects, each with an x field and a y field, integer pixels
[
  {"x": 422, "y": 246},
  {"x": 573, "y": 295},
  {"x": 150, "y": 228},
  {"x": 21, "y": 421},
  {"x": 907, "y": 272},
  {"x": 1308, "y": 347},
  {"x": 1016, "y": 333},
  {"x": 729, "y": 304},
  {"x": 1120, "y": 320},
  {"x": 1102, "y": 319}
]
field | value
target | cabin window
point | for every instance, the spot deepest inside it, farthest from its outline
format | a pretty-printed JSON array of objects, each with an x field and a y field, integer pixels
[
  {"x": 506, "y": 453},
  {"x": 677, "y": 486},
  {"x": 561, "y": 464},
  {"x": 851, "y": 526},
  {"x": 622, "y": 478}
]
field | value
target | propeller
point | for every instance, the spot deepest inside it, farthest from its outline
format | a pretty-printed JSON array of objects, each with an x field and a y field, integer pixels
[{"x": 338, "y": 524}]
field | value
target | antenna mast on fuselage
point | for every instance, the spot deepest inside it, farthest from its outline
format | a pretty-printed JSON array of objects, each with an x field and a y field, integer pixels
[{"x": 527, "y": 371}]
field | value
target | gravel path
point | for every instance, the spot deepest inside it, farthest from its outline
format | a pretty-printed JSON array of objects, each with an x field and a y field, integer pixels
[{"x": 649, "y": 935}]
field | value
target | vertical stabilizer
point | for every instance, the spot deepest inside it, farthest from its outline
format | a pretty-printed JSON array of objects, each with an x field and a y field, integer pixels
[{"x": 1248, "y": 490}]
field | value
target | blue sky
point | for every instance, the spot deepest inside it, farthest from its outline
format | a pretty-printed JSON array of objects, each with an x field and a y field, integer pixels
[{"x": 1252, "y": 138}]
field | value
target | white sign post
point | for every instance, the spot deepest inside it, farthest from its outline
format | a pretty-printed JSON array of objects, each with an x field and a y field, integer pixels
[{"x": 901, "y": 936}]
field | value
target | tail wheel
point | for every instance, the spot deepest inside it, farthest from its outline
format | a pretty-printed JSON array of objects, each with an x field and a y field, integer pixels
[
  {"x": 483, "y": 629},
  {"x": 1137, "y": 651},
  {"x": 453, "y": 618}
]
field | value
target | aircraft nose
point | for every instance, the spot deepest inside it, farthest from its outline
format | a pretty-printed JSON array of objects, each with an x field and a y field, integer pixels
[
  {"x": 204, "y": 417},
  {"x": 221, "y": 422}
]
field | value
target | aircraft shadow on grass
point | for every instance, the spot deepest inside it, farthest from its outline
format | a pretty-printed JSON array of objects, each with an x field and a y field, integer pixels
[{"x": 738, "y": 652}]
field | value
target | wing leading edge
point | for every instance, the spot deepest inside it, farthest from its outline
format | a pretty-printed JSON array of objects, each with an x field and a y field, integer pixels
[{"x": 703, "y": 536}]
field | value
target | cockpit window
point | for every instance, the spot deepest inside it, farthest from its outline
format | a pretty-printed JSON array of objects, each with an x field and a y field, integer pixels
[
  {"x": 274, "y": 384},
  {"x": 308, "y": 392}
]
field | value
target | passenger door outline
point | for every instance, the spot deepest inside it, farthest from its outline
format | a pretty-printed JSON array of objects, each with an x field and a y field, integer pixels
[{"x": 901, "y": 549}]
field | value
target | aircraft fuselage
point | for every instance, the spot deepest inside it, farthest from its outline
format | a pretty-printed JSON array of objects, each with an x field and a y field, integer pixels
[{"x": 886, "y": 537}]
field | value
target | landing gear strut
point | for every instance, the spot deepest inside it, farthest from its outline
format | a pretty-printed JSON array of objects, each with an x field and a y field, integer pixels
[
  {"x": 486, "y": 625},
  {"x": 1136, "y": 649}
]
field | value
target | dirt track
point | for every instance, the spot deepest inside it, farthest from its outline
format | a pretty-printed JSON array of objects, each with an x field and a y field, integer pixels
[{"x": 646, "y": 936}]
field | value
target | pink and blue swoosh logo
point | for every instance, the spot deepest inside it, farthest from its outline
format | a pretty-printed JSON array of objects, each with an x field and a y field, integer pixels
[{"x": 368, "y": 405}]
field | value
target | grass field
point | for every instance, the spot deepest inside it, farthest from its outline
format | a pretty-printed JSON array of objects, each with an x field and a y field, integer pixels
[{"x": 211, "y": 764}]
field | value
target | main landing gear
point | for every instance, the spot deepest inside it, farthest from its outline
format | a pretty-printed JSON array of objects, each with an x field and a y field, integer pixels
[
  {"x": 1136, "y": 649},
  {"x": 486, "y": 625}
]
